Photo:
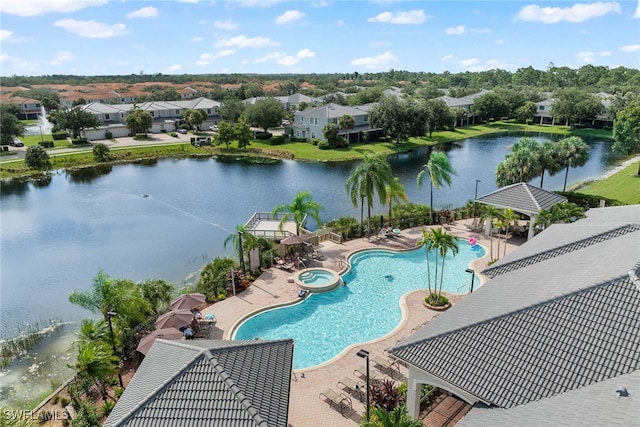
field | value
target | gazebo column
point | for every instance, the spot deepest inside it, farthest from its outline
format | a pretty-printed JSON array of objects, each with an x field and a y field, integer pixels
[
  {"x": 413, "y": 399},
  {"x": 532, "y": 228}
]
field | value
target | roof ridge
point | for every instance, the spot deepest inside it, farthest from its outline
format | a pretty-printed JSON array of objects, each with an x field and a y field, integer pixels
[
  {"x": 242, "y": 398},
  {"x": 492, "y": 272}
]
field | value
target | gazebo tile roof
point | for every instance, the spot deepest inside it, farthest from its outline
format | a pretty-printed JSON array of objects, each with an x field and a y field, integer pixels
[{"x": 522, "y": 197}]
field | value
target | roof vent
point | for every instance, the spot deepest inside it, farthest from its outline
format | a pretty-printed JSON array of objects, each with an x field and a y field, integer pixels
[{"x": 622, "y": 391}]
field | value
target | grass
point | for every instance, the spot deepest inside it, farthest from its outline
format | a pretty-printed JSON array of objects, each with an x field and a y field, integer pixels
[{"x": 623, "y": 186}]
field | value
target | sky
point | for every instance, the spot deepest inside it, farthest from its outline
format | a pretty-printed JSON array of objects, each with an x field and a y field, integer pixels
[{"x": 103, "y": 37}]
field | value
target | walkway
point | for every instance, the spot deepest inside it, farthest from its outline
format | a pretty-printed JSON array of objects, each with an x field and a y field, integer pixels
[{"x": 272, "y": 287}]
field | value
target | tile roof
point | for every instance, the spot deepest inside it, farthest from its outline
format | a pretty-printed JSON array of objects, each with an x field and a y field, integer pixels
[
  {"x": 559, "y": 317},
  {"x": 203, "y": 383},
  {"x": 522, "y": 197}
]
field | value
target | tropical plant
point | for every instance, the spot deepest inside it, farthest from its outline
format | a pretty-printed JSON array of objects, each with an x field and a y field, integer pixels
[
  {"x": 398, "y": 417},
  {"x": 548, "y": 158},
  {"x": 491, "y": 214},
  {"x": 157, "y": 293},
  {"x": 138, "y": 120},
  {"x": 36, "y": 157},
  {"x": 440, "y": 242},
  {"x": 509, "y": 218},
  {"x": 96, "y": 360},
  {"x": 302, "y": 206},
  {"x": 101, "y": 152},
  {"x": 243, "y": 133},
  {"x": 225, "y": 134},
  {"x": 559, "y": 213},
  {"x": 395, "y": 193},
  {"x": 439, "y": 171},
  {"x": 572, "y": 152},
  {"x": 74, "y": 120},
  {"x": 346, "y": 122},
  {"x": 385, "y": 394},
  {"x": 521, "y": 165},
  {"x": 214, "y": 277},
  {"x": 242, "y": 242},
  {"x": 194, "y": 117},
  {"x": 265, "y": 113},
  {"x": 626, "y": 130},
  {"x": 371, "y": 176}
]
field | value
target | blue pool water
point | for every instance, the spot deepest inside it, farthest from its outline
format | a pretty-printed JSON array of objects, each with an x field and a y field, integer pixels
[
  {"x": 367, "y": 308},
  {"x": 316, "y": 277}
]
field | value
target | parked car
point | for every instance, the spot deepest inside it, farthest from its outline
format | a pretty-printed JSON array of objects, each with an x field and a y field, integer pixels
[
  {"x": 181, "y": 130},
  {"x": 214, "y": 128},
  {"x": 15, "y": 142}
]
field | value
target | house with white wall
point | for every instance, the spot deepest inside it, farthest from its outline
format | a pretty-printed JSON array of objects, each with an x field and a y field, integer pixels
[{"x": 309, "y": 124}]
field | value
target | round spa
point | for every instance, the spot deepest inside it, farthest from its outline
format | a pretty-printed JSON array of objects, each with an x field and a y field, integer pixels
[{"x": 317, "y": 279}]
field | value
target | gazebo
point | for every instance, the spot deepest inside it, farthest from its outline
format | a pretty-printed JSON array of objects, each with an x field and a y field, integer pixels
[{"x": 523, "y": 198}]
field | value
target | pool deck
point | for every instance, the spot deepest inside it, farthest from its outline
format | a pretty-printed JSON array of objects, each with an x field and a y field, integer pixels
[{"x": 273, "y": 288}]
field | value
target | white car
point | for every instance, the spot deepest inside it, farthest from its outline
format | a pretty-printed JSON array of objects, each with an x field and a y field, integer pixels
[
  {"x": 213, "y": 128},
  {"x": 181, "y": 130}
]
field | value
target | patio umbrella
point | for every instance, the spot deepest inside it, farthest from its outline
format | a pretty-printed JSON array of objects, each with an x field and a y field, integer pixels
[
  {"x": 188, "y": 301},
  {"x": 166, "y": 333},
  {"x": 294, "y": 240},
  {"x": 174, "y": 319}
]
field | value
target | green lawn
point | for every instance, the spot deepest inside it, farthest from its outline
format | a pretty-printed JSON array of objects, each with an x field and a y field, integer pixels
[{"x": 623, "y": 186}]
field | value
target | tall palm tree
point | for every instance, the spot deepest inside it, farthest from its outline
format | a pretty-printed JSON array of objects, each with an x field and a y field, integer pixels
[
  {"x": 521, "y": 165},
  {"x": 443, "y": 242},
  {"x": 95, "y": 360},
  {"x": 490, "y": 213},
  {"x": 548, "y": 157},
  {"x": 572, "y": 152},
  {"x": 439, "y": 171},
  {"x": 371, "y": 176},
  {"x": 427, "y": 241},
  {"x": 395, "y": 193},
  {"x": 302, "y": 206},
  {"x": 242, "y": 242},
  {"x": 509, "y": 218}
]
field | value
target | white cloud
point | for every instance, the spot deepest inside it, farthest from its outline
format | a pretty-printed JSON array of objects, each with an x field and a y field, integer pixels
[
  {"x": 207, "y": 58},
  {"x": 5, "y": 35},
  {"x": 588, "y": 57},
  {"x": 243, "y": 41},
  {"x": 196, "y": 39},
  {"x": 630, "y": 48},
  {"x": 469, "y": 62},
  {"x": 579, "y": 12},
  {"x": 174, "y": 68},
  {"x": 188, "y": 1},
  {"x": 287, "y": 60},
  {"x": 269, "y": 56},
  {"x": 412, "y": 17},
  {"x": 481, "y": 30},
  {"x": 376, "y": 62},
  {"x": 145, "y": 12},
  {"x": 447, "y": 58},
  {"x": 637, "y": 14},
  {"x": 289, "y": 16},
  {"x": 251, "y": 3},
  {"x": 228, "y": 25},
  {"x": 91, "y": 29},
  {"x": 305, "y": 53},
  {"x": 39, "y": 7},
  {"x": 455, "y": 31},
  {"x": 61, "y": 57}
]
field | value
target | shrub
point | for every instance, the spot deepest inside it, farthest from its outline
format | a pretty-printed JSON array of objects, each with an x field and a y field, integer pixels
[
  {"x": 315, "y": 141},
  {"x": 101, "y": 153},
  {"x": 118, "y": 392},
  {"x": 108, "y": 135},
  {"x": 108, "y": 407},
  {"x": 55, "y": 399},
  {"x": 36, "y": 157},
  {"x": 263, "y": 135},
  {"x": 324, "y": 145},
  {"x": 436, "y": 300},
  {"x": 64, "y": 401},
  {"x": 79, "y": 141},
  {"x": 297, "y": 139},
  {"x": 386, "y": 395},
  {"x": 46, "y": 144},
  {"x": 277, "y": 140},
  {"x": 58, "y": 136}
]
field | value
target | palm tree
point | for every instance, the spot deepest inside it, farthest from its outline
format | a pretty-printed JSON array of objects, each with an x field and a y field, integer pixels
[
  {"x": 441, "y": 242},
  {"x": 509, "y": 218},
  {"x": 372, "y": 175},
  {"x": 95, "y": 360},
  {"x": 398, "y": 417},
  {"x": 395, "y": 193},
  {"x": 439, "y": 171},
  {"x": 521, "y": 165},
  {"x": 427, "y": 241},
  {"x": 572, "y": 152},
  {"x": 490, "y": 213},
  {"x": 548, "y": 156},
  {"x": 302, "y": 206}
]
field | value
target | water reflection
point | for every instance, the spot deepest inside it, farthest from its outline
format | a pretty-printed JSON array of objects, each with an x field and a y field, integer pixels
[
  {"x": 88, "y": 174},
  {"x": 14, "y": 186}
]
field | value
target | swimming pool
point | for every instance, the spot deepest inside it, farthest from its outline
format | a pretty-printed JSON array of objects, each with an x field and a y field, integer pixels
[
  {"x": 324, "y": 324},
  {"x": 317, "y": 279}
]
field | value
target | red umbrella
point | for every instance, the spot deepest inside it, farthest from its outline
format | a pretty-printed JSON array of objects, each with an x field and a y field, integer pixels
[
  {"x": 147, "y": 341},
  {"x": 174, "y": 319},
  {"x": 188, "y": 301}
]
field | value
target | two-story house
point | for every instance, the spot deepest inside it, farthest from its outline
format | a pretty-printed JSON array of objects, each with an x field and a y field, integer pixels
[{"x": 309, "y": 124}]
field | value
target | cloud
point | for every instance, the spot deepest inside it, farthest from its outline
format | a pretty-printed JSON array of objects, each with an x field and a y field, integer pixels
[
  {"x": 588, "y": 57},
  {"x": 5, "y": 35},
  {"x": 207, "y": 58},
  {"x": 61, "y": 57},
  {"x": 637, "y": 14},
  {"x": 412, "y": 17},
  {"x": 376, "y": 62},
  {"x": 469, "y": 62},
  {"x": 174, "y": 68},
  {"x": 196, "y": 39},
  {"x": 91, "y": 29},
  {"x": 188, "y": 1},
  {"x": 455, "y": 31},
  {"x": 251, "y": 3},
  {"x": 289, "y": 16},
  {"x": 243, "y": 41},
  {"x": 145, "y": 12},
  {"x": 630, "y": 48},
  {"x": 447, "y": 57},
  {"x": 228, "y": 25},
  {"x": 579, "y": 12},
  {"x": 39, "y": 7},
  {"x": 305, "y": 53}
]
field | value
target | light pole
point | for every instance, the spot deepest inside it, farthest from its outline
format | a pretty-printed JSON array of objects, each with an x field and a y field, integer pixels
[
  {"x": 41, "y": 137},
  {"x": 111, "y": 314},
  {"x": 240, "y": 250},
  {"x": 365, "y": 354},
  {"x": 473, "y": 276},
  {"x": 475, "y": 198}
]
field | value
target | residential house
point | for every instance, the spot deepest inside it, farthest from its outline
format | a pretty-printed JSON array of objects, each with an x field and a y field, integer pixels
[
  {"x": 553, "y": 338},
  {"x": 209, "y": 383},
  {"x": 290, "y": 102},
  {"x": 544, "y": 113},
  {"x": 309, "y": 124}
]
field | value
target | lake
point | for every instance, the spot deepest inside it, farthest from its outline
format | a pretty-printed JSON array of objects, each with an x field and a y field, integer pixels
[{"x": 169, "y": 218}]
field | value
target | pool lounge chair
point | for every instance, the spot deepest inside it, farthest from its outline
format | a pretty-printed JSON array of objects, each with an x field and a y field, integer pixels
[
  {"x": 385, "y": 364},
  {"x": 352, "y": 386},
  {"x": 340, "y": 400}
]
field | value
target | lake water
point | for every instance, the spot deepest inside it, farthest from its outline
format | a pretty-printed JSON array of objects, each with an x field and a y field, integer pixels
[{"x": 166, "y": 220}]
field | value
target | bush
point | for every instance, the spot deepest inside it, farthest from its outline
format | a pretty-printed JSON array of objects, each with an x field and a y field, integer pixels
[
  {"x": 118, "y": 392},
  {"x": 108, "y": 407},
  {"x": 263, "y": 135},
  {"x": 79, "y": 141},
  {"x": 277, "y": 140},
  {"x": 315, "y": 141},
  {"x": 46, "y": 144},
  {"x": 36, "y": 157},
  {"x": 64, "y": 401},
  {"x": 436, "y": 300},
  {"x": 57, "y": 136},
  {"x": 587, "y": 200},
  {"x": 324, "y": 145},
  {"x": 108, "y": 135},
  {"x": 101, "y": 153},
  {"x": 298, "y": 139}
]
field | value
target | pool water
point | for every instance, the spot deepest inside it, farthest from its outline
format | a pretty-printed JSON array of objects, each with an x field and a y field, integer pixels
[
  {"x": 316, "y": 277},
  {"x": 367, "y": 308}
]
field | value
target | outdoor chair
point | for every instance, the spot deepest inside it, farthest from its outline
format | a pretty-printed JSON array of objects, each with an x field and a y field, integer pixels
[
  {"x": 385, "y": 364},
  {"x": 352, "y": 386},
  {"x": 335, "y": 399}
]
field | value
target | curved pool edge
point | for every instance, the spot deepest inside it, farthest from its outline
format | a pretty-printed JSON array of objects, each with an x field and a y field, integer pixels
[{"x": 336, "y": 280}]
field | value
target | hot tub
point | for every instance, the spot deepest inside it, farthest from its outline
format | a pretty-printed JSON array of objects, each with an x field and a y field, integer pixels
[{"x": 317, "y": 279}]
